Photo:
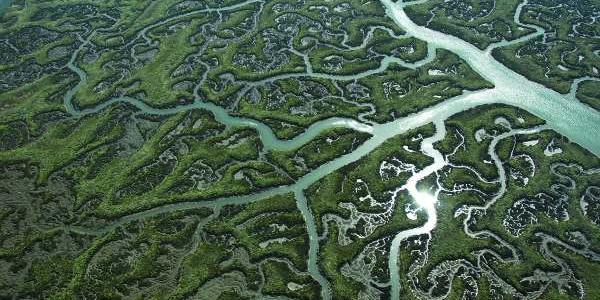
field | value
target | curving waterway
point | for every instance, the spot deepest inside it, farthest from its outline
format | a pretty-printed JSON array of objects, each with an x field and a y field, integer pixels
[{"x": 562, "y": 113}]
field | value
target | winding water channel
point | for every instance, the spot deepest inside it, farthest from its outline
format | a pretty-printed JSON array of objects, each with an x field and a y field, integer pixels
[{"x": 562, "y": 113}]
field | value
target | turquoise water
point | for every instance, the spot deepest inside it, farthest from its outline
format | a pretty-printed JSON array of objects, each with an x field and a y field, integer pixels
[
  {"x": 3, "y": 5},
  {"x": 573, "y": 119}
]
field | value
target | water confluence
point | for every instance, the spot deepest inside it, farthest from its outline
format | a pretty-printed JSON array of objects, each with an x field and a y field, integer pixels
[{"x": 573, "y": 119}]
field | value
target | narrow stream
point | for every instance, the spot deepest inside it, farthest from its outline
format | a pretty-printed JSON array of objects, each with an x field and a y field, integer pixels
[{"x": 423, "y": 199}]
